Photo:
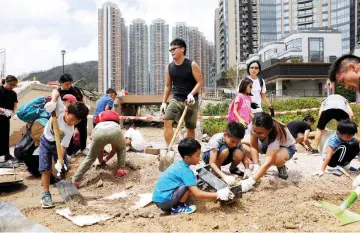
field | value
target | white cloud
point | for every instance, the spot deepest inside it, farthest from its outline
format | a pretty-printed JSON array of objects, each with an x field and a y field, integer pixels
[{"x": 34, "y": 31}]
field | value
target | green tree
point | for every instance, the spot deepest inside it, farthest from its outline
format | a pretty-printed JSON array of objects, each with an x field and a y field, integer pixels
[{"x": 231, "y": 77}]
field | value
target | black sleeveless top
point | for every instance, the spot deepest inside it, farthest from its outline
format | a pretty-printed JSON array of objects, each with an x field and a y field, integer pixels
[
  {"x": 182, "y": 78},
  {"x": 75, "y": 91}
]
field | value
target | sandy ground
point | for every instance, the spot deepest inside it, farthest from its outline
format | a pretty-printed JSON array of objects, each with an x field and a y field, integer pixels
[{"x": 273, "y": 205}]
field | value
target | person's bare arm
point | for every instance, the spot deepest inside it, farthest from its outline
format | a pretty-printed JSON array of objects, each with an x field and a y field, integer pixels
[
  {"x": 196, "y": 71},
  {"x": 270, "y": 158},
  {"x": 15, "y": 107},
  {"x": 327, "y": 159},
  {"x": 306, "y": 139},
  {"x": 199, "y": 194},
  {"x": 127, "y": 141},
  {"x": 213, "y": 165},
  {"x": 265, "y": 100},
  {"x": 239, "y": 118},
  {"x": 167, "y": 87},
  {"x": 350, "y": 111},
  {"x": 55, "y": 95},
  {"x": 254, "y": 148}
]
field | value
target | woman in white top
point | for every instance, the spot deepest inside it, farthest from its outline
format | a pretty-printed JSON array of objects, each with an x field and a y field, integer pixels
[
  {"x": 258, "y": 89},
  {"x": 269, "y": 137}
]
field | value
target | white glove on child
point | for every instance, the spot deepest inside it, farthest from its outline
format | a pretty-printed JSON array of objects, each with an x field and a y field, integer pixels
[
  {"x": 58, "y": 167},
  {"x": 356, "y": 182},
  {"x": 50, "y": 106},
  {"x": 255, "y": 168},
  {"x": 163, "y": 107},
  {"x": 225, "y": 194},
  {"x": 247, "y": 184},
  {"x": 247, "y": 173},
  {"x": 190, "y": 99},
  {"x": 229, "y": 180}
]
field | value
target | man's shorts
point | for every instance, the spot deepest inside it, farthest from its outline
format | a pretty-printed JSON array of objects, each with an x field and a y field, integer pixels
[
  {"x": 330, "y": 114},
  {"x": 175, "y": 109},
  {"x": 176, "y": 197},
  {"x": 291, "y": 149},
  {"x": 46, "y": 152},
  {"x": 228, "y": 160}
]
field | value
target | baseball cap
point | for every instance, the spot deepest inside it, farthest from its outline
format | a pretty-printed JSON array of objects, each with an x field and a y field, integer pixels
[
  {"x": 107, "y": 115},
  {"x": 69, "y": 97}
]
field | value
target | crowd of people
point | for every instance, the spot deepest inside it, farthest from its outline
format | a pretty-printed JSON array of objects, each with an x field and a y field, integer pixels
[{"x": 250, "y": 132}]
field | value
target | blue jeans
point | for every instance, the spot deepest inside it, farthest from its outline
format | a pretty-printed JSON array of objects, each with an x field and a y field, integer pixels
[
  {"x": 291, "y": 149},
  {"x": 228, "y": 160}
]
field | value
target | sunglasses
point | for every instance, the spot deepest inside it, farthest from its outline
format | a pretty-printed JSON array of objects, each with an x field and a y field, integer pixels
[{"x": 172, "y": 49}]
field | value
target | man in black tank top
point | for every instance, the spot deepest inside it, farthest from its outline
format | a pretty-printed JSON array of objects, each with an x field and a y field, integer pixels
[{"x": 184, "y": 78}]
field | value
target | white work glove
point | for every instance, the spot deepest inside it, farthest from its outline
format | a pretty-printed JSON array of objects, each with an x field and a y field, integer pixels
[
  {"x": 190, "y": 99},
  {"x": 356, "y": 182},
  {"x": 229, "y": 180},
  {"x": 247, "y": 173},
  {"x": 247, "y": 184},
  {"x": 163, "y": 107},
  {"x": 225, "y": 194},
  {"x": 255, "y": 168},
  {"x": 8, "y": 113},
  {"x": 58, "y": 167},
  {"x": 318, "y": 173},
  {"x": 50, "y": 106}
]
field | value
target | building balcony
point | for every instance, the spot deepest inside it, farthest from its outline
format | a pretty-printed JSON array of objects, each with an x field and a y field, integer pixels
[
  {"x": 304, "y": 1},
  {"x": 303, "y": 7},
  {"x": 303, "y": 15},
  {"x": 310, "y": 21}
]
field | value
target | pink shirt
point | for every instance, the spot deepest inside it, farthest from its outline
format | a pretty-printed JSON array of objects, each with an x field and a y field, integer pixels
[{"x": 244, "y": 108}]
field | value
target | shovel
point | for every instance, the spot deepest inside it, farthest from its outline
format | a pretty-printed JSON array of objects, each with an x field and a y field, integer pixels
[
  {"x": 340, "y": 212},
  {"x": 69, "y": 193},
  {"x": 166, "y": 157}
]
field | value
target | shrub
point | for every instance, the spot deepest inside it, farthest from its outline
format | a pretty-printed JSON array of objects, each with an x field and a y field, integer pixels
[{"x": 211, "y": 127}]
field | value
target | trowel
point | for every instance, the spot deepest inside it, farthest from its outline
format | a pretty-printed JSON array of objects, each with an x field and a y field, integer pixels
[{"x": 340, "y": 212}]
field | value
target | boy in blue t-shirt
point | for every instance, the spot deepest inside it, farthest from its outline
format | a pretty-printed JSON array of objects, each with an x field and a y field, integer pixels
[
  {"x": 341, "y": 147},
  {"x": 178, "y": 182},
  {"x": 105, "y": 103}
]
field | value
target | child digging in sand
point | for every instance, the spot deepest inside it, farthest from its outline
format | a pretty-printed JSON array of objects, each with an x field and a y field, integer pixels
[{"x": 178, "y": 182}]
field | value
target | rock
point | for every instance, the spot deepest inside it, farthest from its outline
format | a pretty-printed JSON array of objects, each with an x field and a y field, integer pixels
[
  {"x": 290, "y": 226},
  {"x": 99, "y": 184},
  {"x": 151, "y": 216},
  {"x": 117, "y": 215},
  {"x": 128, "y": 185},
  {"x": 215, "y": 227},
  {"x": 144, "y": 214},
  {"x": 132, "y": 166}
]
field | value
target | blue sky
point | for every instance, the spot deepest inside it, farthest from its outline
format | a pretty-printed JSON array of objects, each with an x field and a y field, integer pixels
[{"x": 34, "y": 31}]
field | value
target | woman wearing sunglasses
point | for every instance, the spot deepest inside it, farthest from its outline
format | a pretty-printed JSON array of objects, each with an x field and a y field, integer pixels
[
  {"x": 272, "y": 138},
  {"x": 259, "y": 88}
]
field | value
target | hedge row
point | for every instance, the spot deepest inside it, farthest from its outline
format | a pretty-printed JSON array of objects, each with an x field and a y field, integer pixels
[{"x": 211, "y": 127}]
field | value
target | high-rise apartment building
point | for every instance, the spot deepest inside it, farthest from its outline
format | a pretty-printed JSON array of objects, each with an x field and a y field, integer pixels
[
  {"x": 236, "y": 34},
  {"x": 211, "y": 66},
  {"x": 159, "y": 55},
  {"x": 138, "y": 63},
  {"x": 280, "y": 17},
  {"x": 194, "y": 46},
  {"x": 111, "y": 48}
]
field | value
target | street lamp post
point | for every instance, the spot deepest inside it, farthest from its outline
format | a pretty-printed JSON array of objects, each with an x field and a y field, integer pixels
[{"x": 63, "y": 53}]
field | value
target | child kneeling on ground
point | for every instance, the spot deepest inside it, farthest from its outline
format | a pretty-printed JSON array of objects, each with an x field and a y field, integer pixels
[
  {"x": 107, "y": 131},
  {"x": 67, "y": 118},
  {"x": 226, "y": 148},
  {"x": 178, "y": 182},
  {"x": 341, "y": 147},
  {"x": 133, "y": 138}
]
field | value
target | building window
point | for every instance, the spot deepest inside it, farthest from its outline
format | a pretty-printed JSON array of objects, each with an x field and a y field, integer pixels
[
  {"x": 295, "y": 45},
  {"x": 315, "y": 49}
]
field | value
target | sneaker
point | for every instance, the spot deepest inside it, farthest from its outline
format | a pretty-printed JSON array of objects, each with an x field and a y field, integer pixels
[
  {"x": 46, "y": 201},
  {"x": 236, "y": 171},
  {"x": 184, "y": 209},
  {"x": 315, "y": 152},
  {"x": 282, "y": 172}
]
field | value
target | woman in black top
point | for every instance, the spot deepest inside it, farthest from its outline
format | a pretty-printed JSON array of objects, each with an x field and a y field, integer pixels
[
  {"x": 8, "y": 106},
  {"x": 64, "y": 89}
]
